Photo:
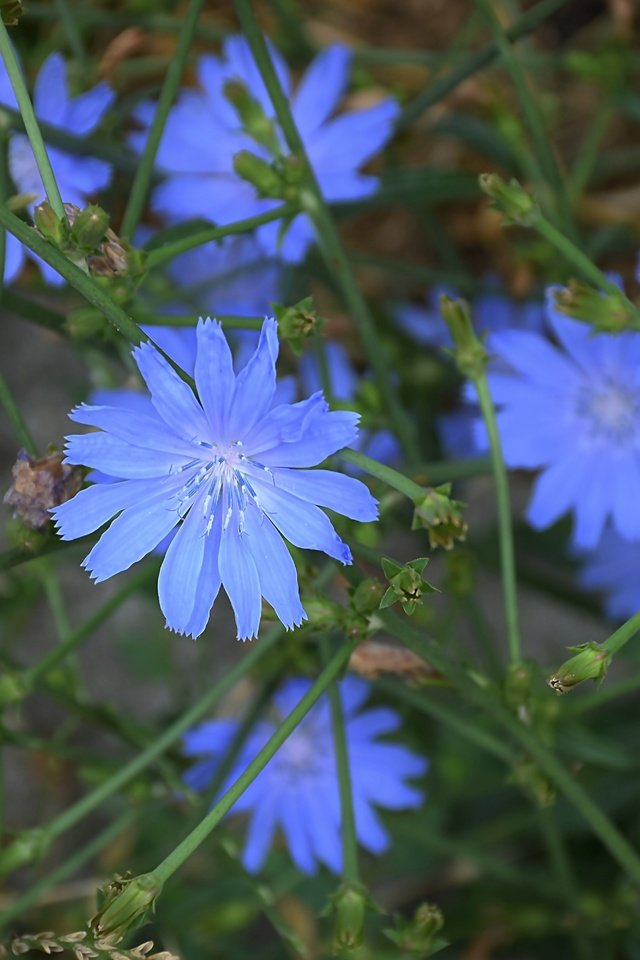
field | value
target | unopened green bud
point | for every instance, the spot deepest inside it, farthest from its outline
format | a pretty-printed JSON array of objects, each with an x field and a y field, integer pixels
[
  {"x": 468, "y": 350},
  {"x": 609, "y": 312},
  {"x": 367, "y": 596},
  {"x": 20, "y": 201},
  {"x": 350, "y": 909},
  {"x": 591, "y": 662},
  {"x": 516, "y": 205},
  {"x": 406, "y": 583},
  {"x": 126, "y": 903},
  {"x": 297, "y": 322},
  {"x": 29, "y": 846},
  {"x": 13, "y": 687},
  {"x": 85, "y": 322},
  {"x": 418, "y": 936},
  {"x": 261, "y": 174},
  {"x": 89, "y": 227},
  {"x": 441, "y": 516},
  {"x": 50, "y": 225},
  {"x": 322, "y": 612},
  {"x": 252, "y": 116}
]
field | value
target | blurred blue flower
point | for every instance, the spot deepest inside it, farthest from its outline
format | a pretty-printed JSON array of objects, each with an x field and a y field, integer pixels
[
  {"x": 298, "y": 789},
  {"x": 614, "y": 569},
  {"x": 491, "y": 312},
  {"x": 78, "y": 177},
  {"x": 379, "y": 444},
  {"x": 204, "y": 132},
  {"x": 219, "y": 466},
  {"x": 572, "y": 410}
]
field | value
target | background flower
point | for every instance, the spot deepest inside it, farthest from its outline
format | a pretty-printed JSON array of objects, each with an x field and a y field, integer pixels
[
  {"x": 298, "y": 789},
  {"x": 573, "y": 411},
  {"x": 78, "y": 177},
  {"x": 204, "y": 132},
  {"x": 220, "y": 467},
  {"x": 613, "y": 569}
]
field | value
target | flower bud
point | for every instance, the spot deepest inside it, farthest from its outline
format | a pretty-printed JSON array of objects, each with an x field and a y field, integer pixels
[
  {"x": 516, "y": 205},
  {"x": 126, "y": 903},
  {"x": 85, "y": 322},
  {"x": 350, "y": 909},
  {"x": 261, "y": 174},
  {"x": 89, "y": 227},
  {"x": 441, "y": 516},
  {"x": 590, "y": 663},
  {"x": 418, "y": 936},
  {"x": 297, "y": 322},
  {"x": 468, "y": 351},
  {"x": 367, "y": 596},
  {"x": 406, "y": 583},
  {"x": 252, "y": 116},
  {"x": 50, "y": 225},
  {"x": 608, "y": 312}
]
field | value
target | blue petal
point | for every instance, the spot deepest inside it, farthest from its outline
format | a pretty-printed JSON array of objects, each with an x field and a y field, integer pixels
[
  {"x": 239, "y": 576},
  {"x": 117, "y": 459},
  {"x": 264, "y": 821},
  {"x": 240, "y": 65},
  {"x": 137, "y": 429},
  {"x": 85, "y": 112},
  {"x": 92, "y": 507},
  {"x": 290, "y": 244},
  {"x": 372, "y": 723},
  {"x": 178, "y": 344},
  {"x": 210, "y": 738},
  {"x": 348, "y": 141},
  {"x": 303, "y": 524},
  {"x": 536, "y": 359},
  {"x": 208, "y": 583},
  {"x": 289, "y": 694},
  {"x": 171, "y": 396},
  {"x": 255, "y": 384},
  {"x": 219, "y": 197},
  {"x": 276, "y": 569},
  {"x": 354, "y": 692},
  {"x": 214, "y": 376},
  {"x": 130, "y": 537},
  {"x": 556, "y": 490},
  {"x": 13, "y": 259},
  {"x": 370, "y": 831},
  {"x": 326, "y": 488},
  {"x": 323, "y": 814},
  {"x": 179, "y": 574},
  {"x": 294, "y": 820},
  {"x": 122, "y": 397},
  {"x": 321, "y": 88},
  {"x": 50, "y": 95},
  {"x": 302, "y": 434}
]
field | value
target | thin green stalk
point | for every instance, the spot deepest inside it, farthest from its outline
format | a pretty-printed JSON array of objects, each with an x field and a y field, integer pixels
[
  {"x": 436, "y": 92},
  {"x": 434, "y": 473},
  {"x": 30, "y": 123},
  {"x": 329, "y": 240},
  {"x": 477, "y": 620},
  {"x": 393, "y": 478},
  {"x": 16, "y": 419},
  {"x": 548, "y": 173},
  {"x": 228, "y": 321},
  {"x": 199, "y": 834},
  {"x": 142, "y": 179},
  {"x": 565, "y": 877},
  {"x": 588, "y": 155},
  {"x": 507, "y": 556},
  {"x": 4, "y": 178},
  {"x": 350, "y": 873},
  {"x": 79, "y": 280},
  {"x": 69, "y": 21},
  {"x": 73, "y": 638},
  {"x": 599, "y": 823},
  {"x": 23, "y": 903},
  {"x": 168, "y": 251}
]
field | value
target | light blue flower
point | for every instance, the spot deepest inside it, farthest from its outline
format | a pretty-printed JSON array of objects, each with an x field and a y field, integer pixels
[
  {"x": 204, "y": 132},
  {"x": 298, "y": 789},
  {"x": 572, "y": 410},
  {"x": 613, "y": 569},
  {"x": 229, "y": 467},
  {"x": 79, "y": 178}
]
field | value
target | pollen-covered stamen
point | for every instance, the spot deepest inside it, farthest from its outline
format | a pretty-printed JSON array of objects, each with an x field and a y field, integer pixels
[{"x": 224, "y": 468}]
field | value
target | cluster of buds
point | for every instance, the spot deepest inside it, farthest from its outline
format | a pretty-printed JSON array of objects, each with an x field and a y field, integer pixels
[
  {"x": 406, "y": 583},
  {"x": 441, "y": 516}
]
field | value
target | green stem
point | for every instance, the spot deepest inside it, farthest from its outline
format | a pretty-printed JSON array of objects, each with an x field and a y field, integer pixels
[
  {"x": 507, "y": 557},
  {"x": 142, "y": 179},
  {"x": 588, "y": 155},
  {"x": 331, "y": 246},
  {"x": 168, "y": 251},
  {"x": 228, "y": 321},
  {"x": 350, "y": 873},
  {"x": 598, "y": 821},
  {"x": 16, "y": 419},
  {"x": 79, "y": 280},
  {"x": 478, "y": 61},
  {"x": 30, "y": 123},
  {"x": 199, "y": 834},
  {"x": 393, "y": 478},
  {"x": 622, "y": 635},
  {"x": 74, "y": 36},
  {"x": 547, "y": 171}
]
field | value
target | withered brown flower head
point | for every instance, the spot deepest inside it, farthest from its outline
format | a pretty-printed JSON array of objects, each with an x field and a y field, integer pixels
[{"x": 38, "y": 485}]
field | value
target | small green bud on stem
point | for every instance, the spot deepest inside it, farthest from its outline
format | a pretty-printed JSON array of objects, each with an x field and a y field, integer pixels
[
  {"x": 511, "y": 199},
  {"x": 441, "y": 515},
  {"x": 591, "y": 662}
]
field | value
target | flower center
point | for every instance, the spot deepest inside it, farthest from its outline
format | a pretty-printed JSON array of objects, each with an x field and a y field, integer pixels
[
  {"x": 613, "y": 412},
  {"x": 299, "y": 755},
  {"x": 23, "y": 167},
  {"x": 222, "y": 467}
]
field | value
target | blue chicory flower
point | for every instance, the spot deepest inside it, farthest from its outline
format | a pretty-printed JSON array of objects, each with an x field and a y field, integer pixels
[
  {"x": 230, "y": 468},
  {"x": 298, "y": 789},
  {"x": 613, "y": 568},
  {"x": 204, "y": 132},
  {"x": 572, "y": 410},
  {"x": 78, "y": 177}
]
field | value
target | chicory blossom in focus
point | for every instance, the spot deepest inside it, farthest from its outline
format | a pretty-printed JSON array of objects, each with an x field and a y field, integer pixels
[
  {"x": 228, "y": 469},
  {"x": 204, "y": 132},
  {"x": 298, "y": 789},
  {"x": 572, "y": 411},
  {"x": 79, "y": 178}
]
